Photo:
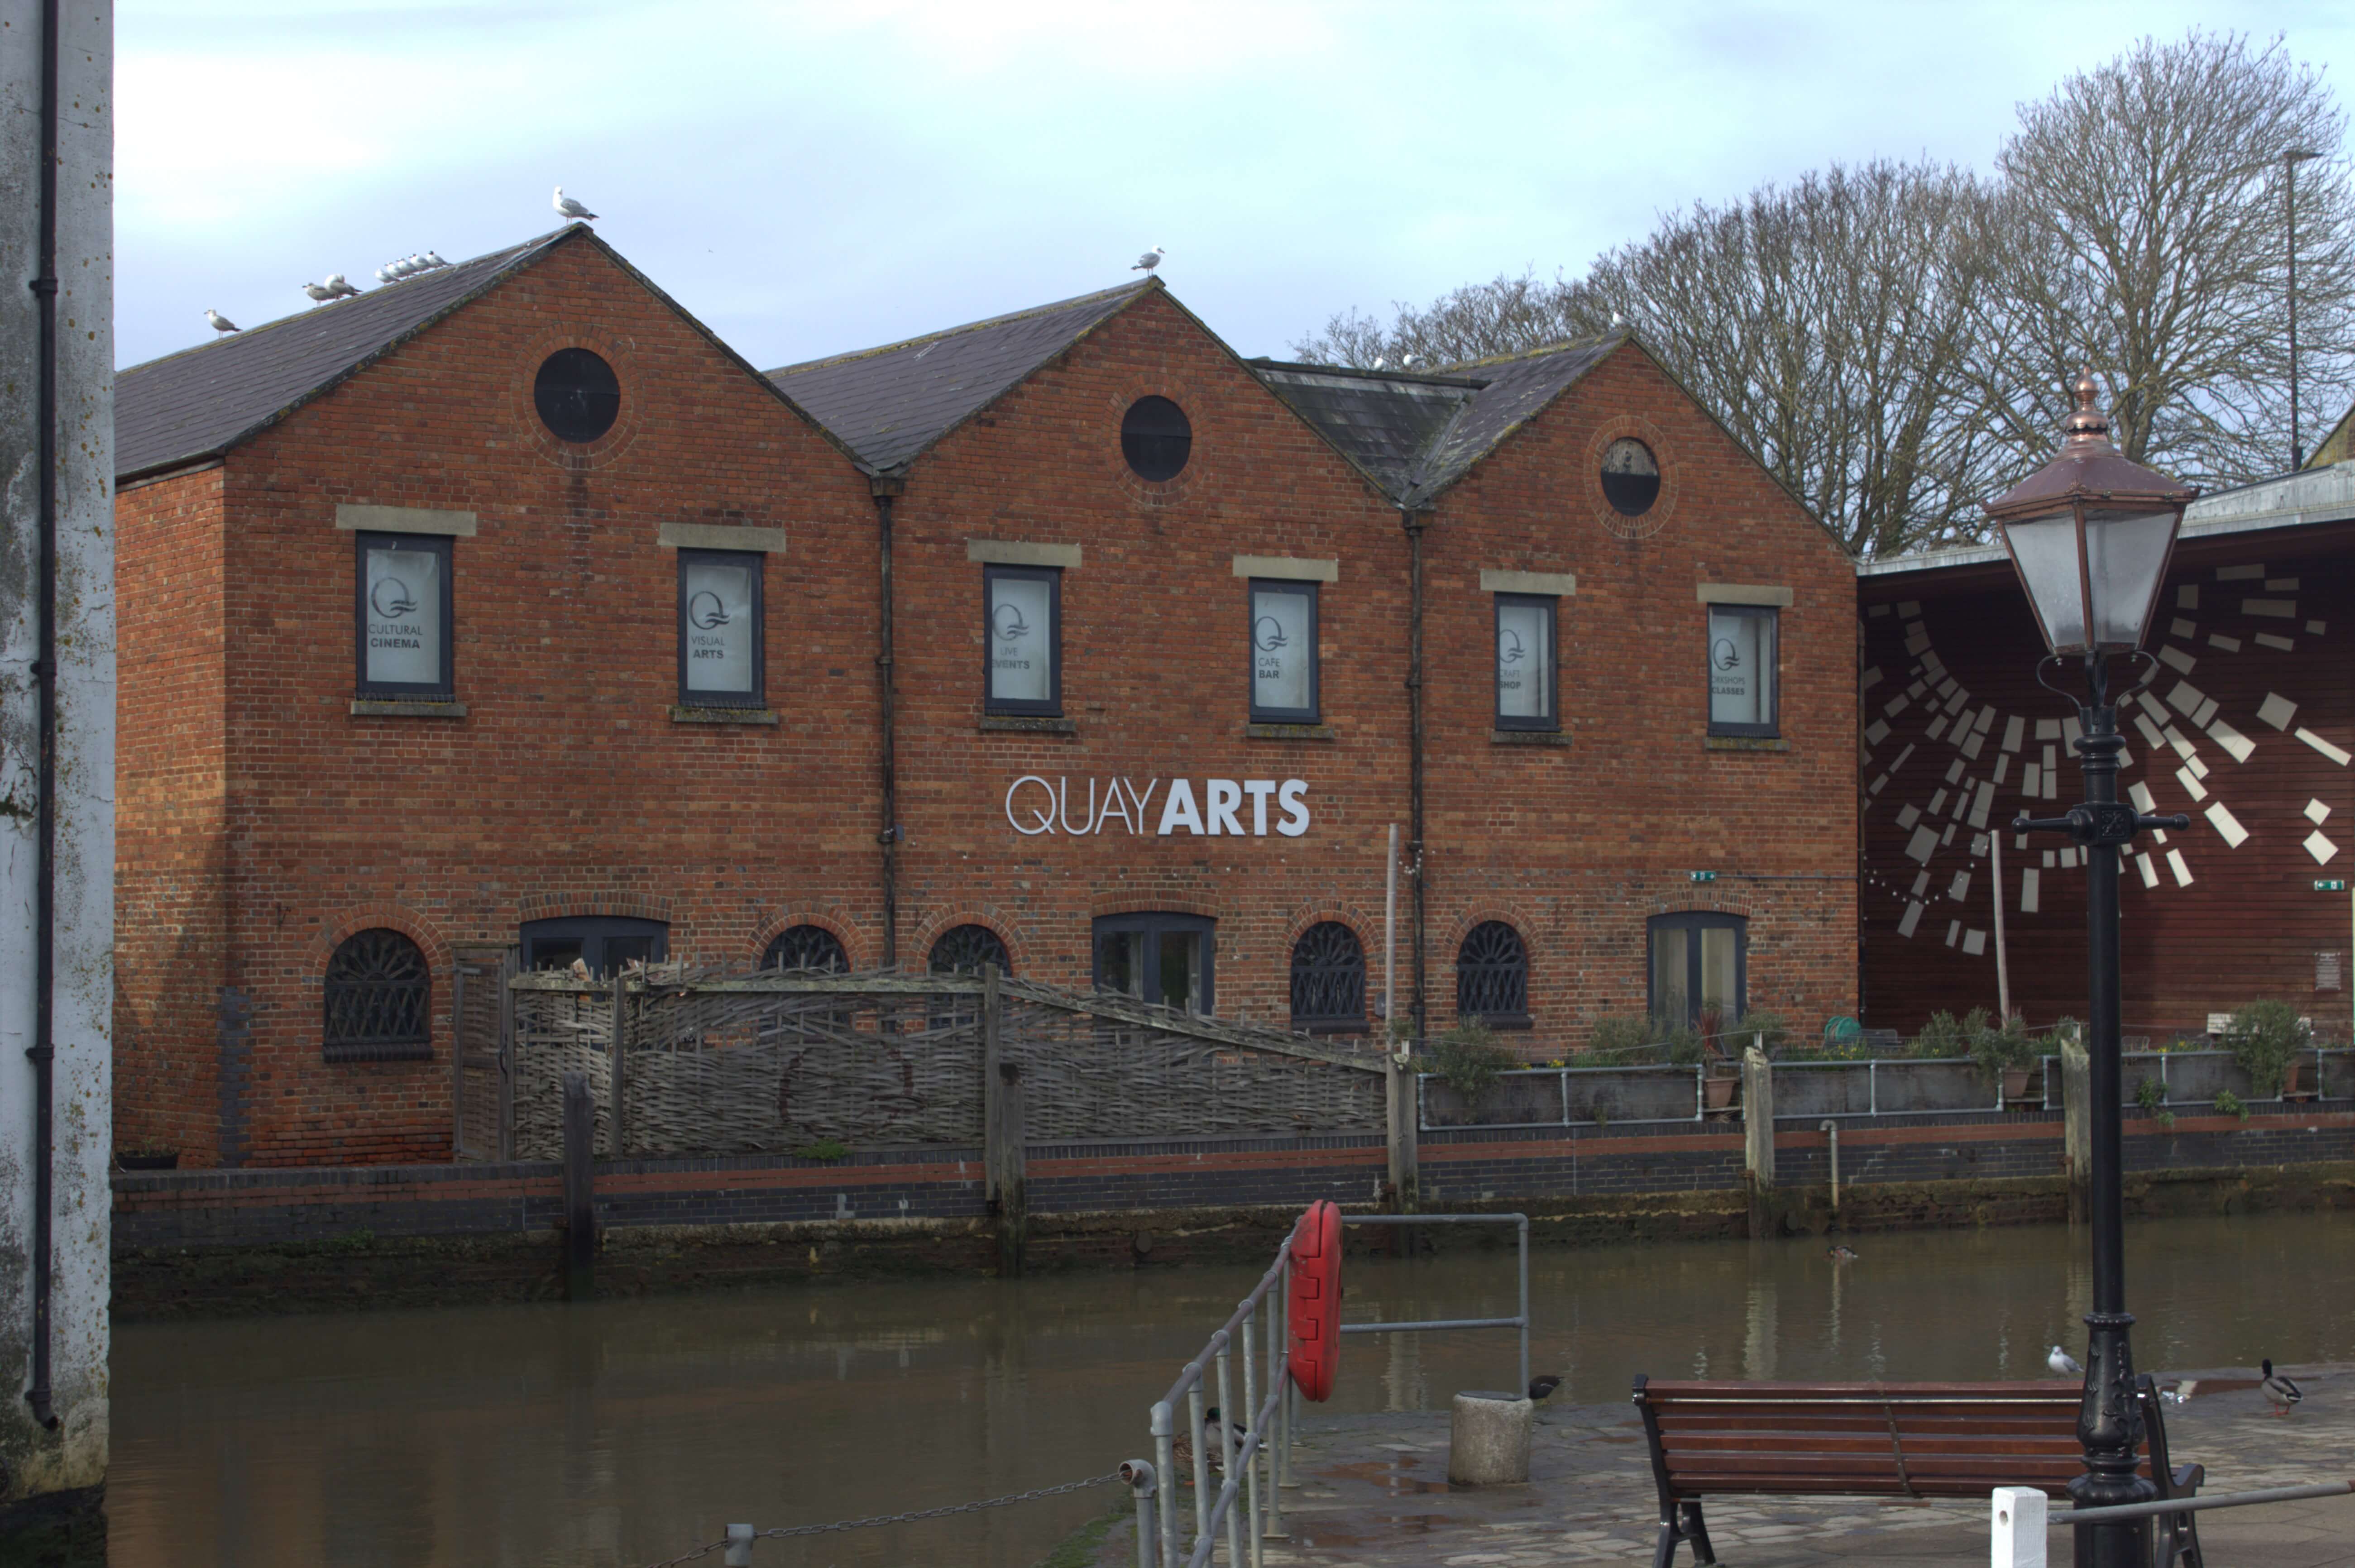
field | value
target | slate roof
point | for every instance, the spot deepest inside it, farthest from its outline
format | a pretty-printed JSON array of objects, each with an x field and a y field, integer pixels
[
  {"x": 1417, "y": 434},
  {"x": 891, "y": 404},
  {"x": 202, "y": 402}
]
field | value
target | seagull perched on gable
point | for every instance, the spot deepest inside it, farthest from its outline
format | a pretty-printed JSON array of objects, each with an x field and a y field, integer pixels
[
  {"x": 2063, "y": 1362},
  {"x": 1150, "y": 259},
  {"x": 569, "y": 208},
  {"x": 339, "y": 287},
  {"x": 433, "y": 259},
  {"x": 221, "y": 323},
  {"x": 319, "y": 293}
]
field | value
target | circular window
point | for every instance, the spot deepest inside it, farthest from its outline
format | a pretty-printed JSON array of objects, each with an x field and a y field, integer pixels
[
  {"x": 1631, "y": 478},
  {"x": 1157, "y": 438},
  {"x": 577, "y": 394}
]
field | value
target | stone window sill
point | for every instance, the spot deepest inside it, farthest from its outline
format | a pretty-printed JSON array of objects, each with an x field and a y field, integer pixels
[
  {"x": 1528, "y": 737},
  {"x": 1746, "y": 744},
  {"x": 1289, "y": 733},
  {"x": 683, "y": 713},
  {"x": 1029, "y": 724},
  {"x": 405, "y": 707}
]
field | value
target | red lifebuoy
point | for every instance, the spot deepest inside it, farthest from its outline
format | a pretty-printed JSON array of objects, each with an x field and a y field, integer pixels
[{"x": 1315, "y": 1311}]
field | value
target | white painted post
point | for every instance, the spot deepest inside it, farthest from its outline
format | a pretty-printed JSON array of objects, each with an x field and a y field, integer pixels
[{"x": 2016, "y": 1528}]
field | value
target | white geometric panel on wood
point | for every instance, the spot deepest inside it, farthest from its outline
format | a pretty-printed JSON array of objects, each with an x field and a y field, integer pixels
[
  {"x": 2321, "y": 848},
  {"x": 2228, "y": 824}
]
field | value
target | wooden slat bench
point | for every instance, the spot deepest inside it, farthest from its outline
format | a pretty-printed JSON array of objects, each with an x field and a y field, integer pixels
[{"x": 1893, "y": 1440}]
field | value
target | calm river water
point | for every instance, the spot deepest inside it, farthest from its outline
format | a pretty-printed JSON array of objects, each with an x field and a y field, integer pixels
[{"x": 623, "y": 1433}]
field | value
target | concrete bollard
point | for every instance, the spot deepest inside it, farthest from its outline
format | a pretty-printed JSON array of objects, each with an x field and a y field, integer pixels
[
  {"x": 2015, "y": 1527},
  {"x": 1488, "y": 1439}
]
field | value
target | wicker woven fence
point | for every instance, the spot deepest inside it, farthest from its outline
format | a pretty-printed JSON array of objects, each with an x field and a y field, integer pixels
[{"x": 707, "y": 1062}]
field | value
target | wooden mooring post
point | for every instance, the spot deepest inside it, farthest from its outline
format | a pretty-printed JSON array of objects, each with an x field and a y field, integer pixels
[
  {"x": 579, "y": 1189},
  {"x": 1002, "y": 1161},
  {"x": 1758, "y": 1140}
]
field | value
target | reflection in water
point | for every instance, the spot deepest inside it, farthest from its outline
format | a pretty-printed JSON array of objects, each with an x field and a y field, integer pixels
[{"x": 623, "y": 1433}]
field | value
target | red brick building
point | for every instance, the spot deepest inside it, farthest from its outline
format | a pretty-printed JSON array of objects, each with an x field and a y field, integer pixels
[
  {"x": 506, "y": 607},
  {"x": 2247, "y": 724}
]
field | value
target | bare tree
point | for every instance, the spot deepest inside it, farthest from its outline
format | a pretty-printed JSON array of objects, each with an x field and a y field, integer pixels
[
  {"x": 2143, "y": 230},
  {"x": 1478, "y": 321}
]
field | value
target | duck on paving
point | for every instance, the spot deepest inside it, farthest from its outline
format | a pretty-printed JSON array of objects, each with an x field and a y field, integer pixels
[{"x": 2279, "y": 1389}]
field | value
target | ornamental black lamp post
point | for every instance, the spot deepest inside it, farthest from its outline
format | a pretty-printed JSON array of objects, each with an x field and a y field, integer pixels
[{"x": 2090, "y": 535}]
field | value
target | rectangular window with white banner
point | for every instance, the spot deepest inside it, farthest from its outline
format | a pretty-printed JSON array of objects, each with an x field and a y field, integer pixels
[
  {"x": 1023, "y": 632},
  {"x": 1525, "y": 662},
  {"x": 400, "y": 615},
  {"x": 720, "y": 641},
  {"x": 1283, "y": 651},
  {"x": 1741, "y": 670}
]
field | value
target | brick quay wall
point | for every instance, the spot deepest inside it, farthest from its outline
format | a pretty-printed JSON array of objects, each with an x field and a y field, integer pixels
[{"x": 290, "y": 1239}]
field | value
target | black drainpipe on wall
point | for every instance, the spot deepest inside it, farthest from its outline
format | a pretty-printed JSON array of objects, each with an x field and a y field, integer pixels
[
  {"x": 1414, "y": 522},
  {"x": 886, "y": 488},
  {"x": 45, "y": 675}
]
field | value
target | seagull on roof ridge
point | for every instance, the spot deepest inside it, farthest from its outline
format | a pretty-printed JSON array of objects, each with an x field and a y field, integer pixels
[
  {"x": 320, "y": 292},
  {"x": 221, "y": 323},
  {"x": 569, "y": 208},
  {"x": 340, "y": 287},
  {"x": 1150, "y": 259},
  {"x": 433, "y": 259}
]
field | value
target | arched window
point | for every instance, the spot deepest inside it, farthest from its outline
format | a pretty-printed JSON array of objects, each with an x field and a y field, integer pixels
[
  {"x": 1492, "y": 976},
  {"x": 379, "y": 1000},
  {"x": 964, "y": 949},
  {"x": 1328, "y": 980},
  {"x": 807, "y": 947}
]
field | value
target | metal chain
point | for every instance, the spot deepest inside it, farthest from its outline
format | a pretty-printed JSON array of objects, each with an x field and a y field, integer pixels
[{"x": 898, "y": 1518}]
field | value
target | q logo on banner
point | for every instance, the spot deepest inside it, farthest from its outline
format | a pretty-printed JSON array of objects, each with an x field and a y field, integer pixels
[
  {"x": 1011, "y": 627},
  {"x": 390, "y": 598},
  {"x": 703, "y": 610},
  {"x": 1508, "y": 646},
  {"x": 1268, "y": 633},
  {"x": 1724, "y": 655}
]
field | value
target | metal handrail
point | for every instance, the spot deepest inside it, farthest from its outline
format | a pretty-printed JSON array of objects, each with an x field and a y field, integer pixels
[
  {"x": 1241, "y": 1461},
  {"x": 1520, "y": 1322}
]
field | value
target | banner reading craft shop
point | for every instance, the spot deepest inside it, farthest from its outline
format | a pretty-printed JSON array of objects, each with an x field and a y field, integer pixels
[{"x": 1234, "y": 807}]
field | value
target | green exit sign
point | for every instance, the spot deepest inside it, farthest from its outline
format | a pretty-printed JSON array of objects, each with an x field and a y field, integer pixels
[
  {"x": 2329, "y": 884},
  {"x": 1712, "y": 876}
]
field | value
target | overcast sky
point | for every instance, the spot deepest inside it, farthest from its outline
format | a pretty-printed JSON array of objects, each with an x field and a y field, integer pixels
[{"x": 813, "y": 178}]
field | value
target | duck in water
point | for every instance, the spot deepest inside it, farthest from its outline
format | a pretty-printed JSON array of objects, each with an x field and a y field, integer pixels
[{"x": 1839, "y": 1252}]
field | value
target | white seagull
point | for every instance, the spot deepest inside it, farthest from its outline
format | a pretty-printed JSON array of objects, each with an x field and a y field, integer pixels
[
  {"x": 433, "y": 259},
  {"x": 319, "y": 293},
  {"x": 385, "y": 275},
  {"x": 221, "y": 323},
  {"x": 1150, "y": 259},
  {"x": 2063, "y": 1362},
  {"x": 340, "y": 287},
  {"x": 569, "y": 208}
]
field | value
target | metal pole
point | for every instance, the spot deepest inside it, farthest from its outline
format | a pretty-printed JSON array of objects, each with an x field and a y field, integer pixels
[
  {"x": 1226, "y": 1424},
  {"x": 1251, "y": 1500},
  {"x": 1389, "y": 938},
  {"x": 1165, "y": 1466},
  {"x": 1523, "y": 1230},
  {"x": 2109, "y": 1423},
  {"x": 2002, "y": 967},
  {"x": 1144, "y": 1480}
]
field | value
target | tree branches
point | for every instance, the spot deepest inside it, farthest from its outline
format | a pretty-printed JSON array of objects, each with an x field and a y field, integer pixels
[{"x": 1895, "y": 341}]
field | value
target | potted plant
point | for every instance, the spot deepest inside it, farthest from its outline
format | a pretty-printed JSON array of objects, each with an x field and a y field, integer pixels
[
  {"x": 2264, "y": 1038},
  {"x": 1468, "y": 1059},
  {"x": 2003, "y": 1052}
]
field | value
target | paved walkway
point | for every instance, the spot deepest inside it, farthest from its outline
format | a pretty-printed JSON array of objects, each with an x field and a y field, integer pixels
[{"x": 1374, "y": 1492}]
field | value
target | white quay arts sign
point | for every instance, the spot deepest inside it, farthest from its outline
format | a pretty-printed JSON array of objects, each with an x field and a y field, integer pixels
[{"x": 1234, "y": 807}]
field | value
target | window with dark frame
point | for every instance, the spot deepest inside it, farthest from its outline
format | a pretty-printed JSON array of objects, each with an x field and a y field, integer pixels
[
  {"x": 1525, "y": 696},
  {"x": 1700, "y": 969},
  {"x": 1328, "y": 980},
  {"x": 1741, "y": 670},
  {"x": 1284, "y": 675},
  {"x": 400, "y": 617},
  {"x": 604, "y": 942},
  {"x": 964, "y": 949},
  {"x": 807, "y": 947},
  {"x": 1168, "y": 960},
  {"x": 1157, "y": 439},
  {"x": 720, "y": 615},
  {"x": 577, "y": 395},
  {"x": 379, "y": 1000},
  {"x": 1492, "y": 976},
  {"x": 1023, "y": 610}
]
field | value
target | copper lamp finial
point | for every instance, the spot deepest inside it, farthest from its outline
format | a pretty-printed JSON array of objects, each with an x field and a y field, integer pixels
[{"x": 2087, "y": 425}]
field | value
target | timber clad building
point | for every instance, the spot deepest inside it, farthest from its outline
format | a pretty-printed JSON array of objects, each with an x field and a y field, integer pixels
[{"x": 505, "y": 608}]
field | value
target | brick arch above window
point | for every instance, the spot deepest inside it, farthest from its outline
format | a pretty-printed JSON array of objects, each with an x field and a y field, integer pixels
[
  {"x": 609, "y": 902},
  {"x": 438, "y": 954},
  {"x": 835, "y": 922},
  {"x": 987, "y": 920}
]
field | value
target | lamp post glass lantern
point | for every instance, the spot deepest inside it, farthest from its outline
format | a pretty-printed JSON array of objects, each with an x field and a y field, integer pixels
[{"x": 2091, "y": 535}]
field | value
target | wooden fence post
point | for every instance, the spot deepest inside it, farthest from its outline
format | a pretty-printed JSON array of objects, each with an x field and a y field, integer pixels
[
  {"x": 1758, "y": 1140},
  {"x": 579, "y": 1189},
  {"x": 1002, "y": 1129},
  {"x": 1405, "y": 1109},
  {"x": 507, "y": 1055},
  {"x": 616, "y": 1070}
]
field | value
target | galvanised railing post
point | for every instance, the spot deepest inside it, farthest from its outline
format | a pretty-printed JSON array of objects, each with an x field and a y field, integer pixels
[
  {"x": 1144, "y": 1482},
  {"x": 1165, "y": 1461},
  {"x": 1227, "y": 1448},
  {"x": 1199, "y": 1442},
  {"x": 1563, "y": 1079},
  {"x": 1252, "y": 1425},
  {"x": 1872, "y": 1084}
]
